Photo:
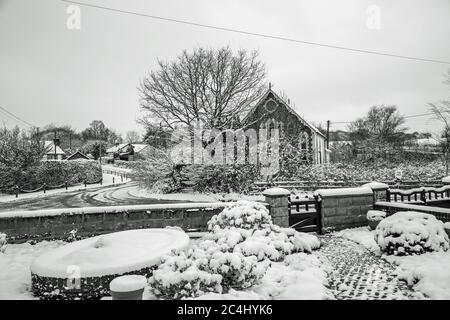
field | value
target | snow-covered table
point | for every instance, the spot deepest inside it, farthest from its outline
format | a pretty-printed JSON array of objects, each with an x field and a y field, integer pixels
[{"x": 84, "y": 269}]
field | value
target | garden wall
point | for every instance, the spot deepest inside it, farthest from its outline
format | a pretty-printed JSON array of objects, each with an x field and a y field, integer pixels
[
  {"x": 442, "y": 214},
  {"x": 345, "y": 207},
  {"x": 57, "y": 223}
]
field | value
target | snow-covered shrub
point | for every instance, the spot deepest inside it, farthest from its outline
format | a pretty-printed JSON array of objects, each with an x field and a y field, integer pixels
[
  {"x": 181, "y": 276},
  {"x": 409, "y": 232},
  {"x": 237, "y": 271},
  {"x": 242, "y": 214},
  {"x": 222, "y": 178},
  {"x": 375, "y": 215},
  {"x": 239, "y": 248},
  {"x": 76, "y": 171},
  {"x": 3, "y": 242},
  {"x": 205, "y": 268},
  {"x": 73, "y": 236}
]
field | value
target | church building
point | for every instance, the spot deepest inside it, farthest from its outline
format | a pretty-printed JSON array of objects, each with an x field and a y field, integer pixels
[{"x": 271, "y": 111}]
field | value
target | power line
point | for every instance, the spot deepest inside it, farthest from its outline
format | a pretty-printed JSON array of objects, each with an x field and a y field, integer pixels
[
  {"x": 16, "y": 117},
  {"x": 406, "y": 117},
  {"x": 255, "y": 33}
]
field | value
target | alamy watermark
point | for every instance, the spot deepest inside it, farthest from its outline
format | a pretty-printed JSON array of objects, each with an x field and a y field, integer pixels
[
  {"x": 73, "y": 21},
  {"x": 196, "y": 145}
]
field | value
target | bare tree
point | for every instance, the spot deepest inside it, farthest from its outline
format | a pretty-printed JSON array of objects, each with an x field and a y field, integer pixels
[
  {"x": 132, "y": 137},
  {"x": 207, "y": 86},
  {"x": 441, "y": 111}
]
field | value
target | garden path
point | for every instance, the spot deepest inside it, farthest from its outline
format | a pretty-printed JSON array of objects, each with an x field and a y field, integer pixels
[{"x": 358, "y": 273}]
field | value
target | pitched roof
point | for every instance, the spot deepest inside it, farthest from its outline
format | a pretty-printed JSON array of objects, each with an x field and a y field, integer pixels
[
  {"x": 50, "y": 148},
  {"x": 79, "y": 153},
  {"x": 138, "y": 147},
  {"x": 292, "y": 111}
]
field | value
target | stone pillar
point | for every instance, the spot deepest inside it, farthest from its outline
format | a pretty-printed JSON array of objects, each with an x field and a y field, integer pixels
[
  {"x": 277, "y": 198},
  {"x": 379, "y": 190}
]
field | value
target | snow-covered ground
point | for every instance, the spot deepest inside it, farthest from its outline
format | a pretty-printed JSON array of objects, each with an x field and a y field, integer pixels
[
  {"x": 15, "y": 276},
  {"x": 194, "y": 196},
  {"x": 300, "y": 277},
  {"x": 108, "y": 180},
  {"x": 429, "y": 273}
]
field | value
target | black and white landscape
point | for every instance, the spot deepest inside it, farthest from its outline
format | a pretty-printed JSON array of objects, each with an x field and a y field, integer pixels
[{"x": 224, "y": 150}]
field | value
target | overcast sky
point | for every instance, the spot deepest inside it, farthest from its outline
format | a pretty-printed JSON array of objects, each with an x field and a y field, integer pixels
[{"x": 50, "y": 74}]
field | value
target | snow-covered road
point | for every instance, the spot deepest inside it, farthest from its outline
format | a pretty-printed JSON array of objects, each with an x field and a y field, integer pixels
[{"x": 124, "y": 194}]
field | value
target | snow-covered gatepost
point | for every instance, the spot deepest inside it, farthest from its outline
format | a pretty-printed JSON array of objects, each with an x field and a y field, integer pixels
[
  {"x": 379, "y": 190},
  {"x": 277, "y": 198}
]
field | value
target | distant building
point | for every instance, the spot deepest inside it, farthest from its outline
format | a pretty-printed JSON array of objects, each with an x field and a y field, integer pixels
[
  {"x": 126, "y": 151},
  {"x": 78, "y": 155},
  {"x": 51, "y": 153}
]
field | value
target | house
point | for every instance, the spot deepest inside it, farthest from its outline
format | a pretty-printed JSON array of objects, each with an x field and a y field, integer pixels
[
  {"x": 126, "y": 151},
  {"x": 51, "y": 153},
  {"x": 78, "y": 155},
  {"x": 271, "y": 112}
]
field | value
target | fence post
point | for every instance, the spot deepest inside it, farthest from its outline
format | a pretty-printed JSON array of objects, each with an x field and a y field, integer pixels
[
  {"x": 101, "y": 181},
  {"x": 85, "y": 183},
  {"x": 114, "y": 180},
  {"x": 45, "y": 187},
  {"x": 121, "y": 177},
  {"x": 318, "y": 208},
  {"x": 66, "y": 185},
  {"x": 16, "y": 190},
  {"x": 388, "y": 195},
  {"x": 423, "y": 196}
]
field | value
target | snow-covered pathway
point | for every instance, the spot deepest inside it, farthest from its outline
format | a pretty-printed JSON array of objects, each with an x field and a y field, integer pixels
[{"x": 359, "y": 273}]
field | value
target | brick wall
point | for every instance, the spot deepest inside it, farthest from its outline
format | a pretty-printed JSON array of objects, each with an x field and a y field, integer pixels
[
  {"x": 345, "y": 207},
  {"x": 56, "y": 224}
]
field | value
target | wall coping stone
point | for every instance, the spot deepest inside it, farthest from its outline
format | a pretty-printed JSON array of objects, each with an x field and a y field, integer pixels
[
  {"x": 110, "y": 209},
  {"x": 276, "y": 192},
  {"x": 344, "y": 192}
]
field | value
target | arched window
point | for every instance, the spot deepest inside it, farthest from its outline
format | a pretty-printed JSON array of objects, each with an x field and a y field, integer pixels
[{"x": 304, "y": 141}]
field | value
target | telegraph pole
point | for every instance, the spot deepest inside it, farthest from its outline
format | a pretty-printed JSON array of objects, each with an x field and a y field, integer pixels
[{"x": 328, "y": 134}]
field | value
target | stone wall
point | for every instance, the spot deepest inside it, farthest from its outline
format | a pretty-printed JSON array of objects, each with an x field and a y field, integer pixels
[
  {"x": 57, "y": 223},
  {"x": 345, "y": 207}
]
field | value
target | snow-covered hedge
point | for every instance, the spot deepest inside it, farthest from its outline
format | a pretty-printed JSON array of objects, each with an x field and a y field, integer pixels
[
  {"x": 240, "y": 245},
  {"x": 242, "y": 214},
  {"x": 409, "y": 232},
  {"x": 3, "y": 242},
  {"x": 73, "y": 172},
  {"x": 222, "y": 178}
]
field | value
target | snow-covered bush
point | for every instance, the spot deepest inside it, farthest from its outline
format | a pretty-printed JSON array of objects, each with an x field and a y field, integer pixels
[
  {"x": 3, "y": 242},
  {"x": 237, "y": 270},
  {"x": 181, "y": 276},
  {"x": 222, "y": 178},
  {"x": 409, "y": 232},
  {"x": 242, "y": 214},
  {"x": 205, "y": 268},
  {"x": 239, "y": 248},
  {"x": 375, "y": 215},
  {"x": 73, "y": 236}
]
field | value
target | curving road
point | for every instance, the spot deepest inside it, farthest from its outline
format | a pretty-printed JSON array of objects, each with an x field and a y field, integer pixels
[{"x": 125, "y": 194}]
